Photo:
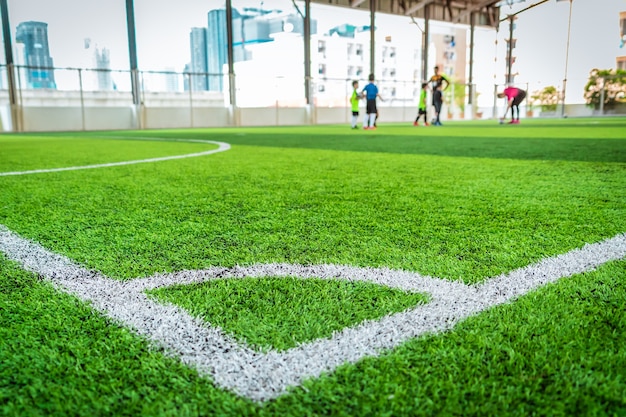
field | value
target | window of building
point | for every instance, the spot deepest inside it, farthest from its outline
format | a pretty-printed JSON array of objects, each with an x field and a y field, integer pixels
[{"x": 321, "y": 69}]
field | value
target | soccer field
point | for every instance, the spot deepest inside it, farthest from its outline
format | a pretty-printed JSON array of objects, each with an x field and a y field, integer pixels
[{"x": 470, "y": 269}]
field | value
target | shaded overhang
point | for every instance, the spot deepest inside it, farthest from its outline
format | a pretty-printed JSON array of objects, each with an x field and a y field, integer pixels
[{"x": 485, "y": 12}]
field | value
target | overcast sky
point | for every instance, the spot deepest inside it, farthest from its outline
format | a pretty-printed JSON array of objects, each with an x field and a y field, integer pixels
[
  {"x": 541, "y": 34},
  {"x": 163, "y": 34}
]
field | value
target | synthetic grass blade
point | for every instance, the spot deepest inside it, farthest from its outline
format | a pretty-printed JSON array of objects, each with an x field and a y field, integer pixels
[{"x": 263, "y": 376}]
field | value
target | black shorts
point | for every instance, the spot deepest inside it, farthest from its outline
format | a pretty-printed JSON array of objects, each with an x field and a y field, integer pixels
[
  {"x": 355, "y": 113},
  {"x": 521, "y": 95},
  {"x": 371, "y": 106},
  {"x": 421, "y": 111},
  {"x": 437, "y": 98}
]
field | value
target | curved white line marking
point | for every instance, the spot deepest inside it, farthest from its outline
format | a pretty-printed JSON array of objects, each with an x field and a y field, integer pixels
[
  {"x": 222, "y": 147},
  {"x": 263, "y": 376}
]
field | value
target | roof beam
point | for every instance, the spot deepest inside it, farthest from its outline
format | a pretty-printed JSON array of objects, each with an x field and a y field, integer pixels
[
  {"x": 474, "y": 7},
  {"x": 355, "y": 3},
  {"x": 418, "y": 6}
]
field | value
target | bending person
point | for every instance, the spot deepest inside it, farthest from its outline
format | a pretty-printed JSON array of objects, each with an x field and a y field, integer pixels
[{"x": 514, "y": 97}]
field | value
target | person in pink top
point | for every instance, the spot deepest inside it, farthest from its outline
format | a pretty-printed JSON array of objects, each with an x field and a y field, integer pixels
[{"x": 514, "y": 96}]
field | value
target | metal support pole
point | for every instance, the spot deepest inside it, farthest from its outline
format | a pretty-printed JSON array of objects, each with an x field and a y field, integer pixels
[
  {"x": 470, "y": 82},
  {"x": 494, "y": 113},
  {"x": 82, "y": 97},
  {"x": 307, "y": 51},
  {"x": 372, "y": 36},
  {"x": 509, "y": 58},
  {"x": 8, "y": 53},
  {"x": 132, "y": 50},
  {"x": 602, "y": 97},
  {"x": 190, "y": 101},
  {"x": 425, "y": 41},
  {"x": 569, "y": 27},
  {"x": 231, "y": 55},
  {"x": 528, "y": 103}
]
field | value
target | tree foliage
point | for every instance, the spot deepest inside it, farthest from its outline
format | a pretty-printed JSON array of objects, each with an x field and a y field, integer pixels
[
  {"x": 613, "y": 82},
  {"x": 457, "y": 92},
  {"x": 547, "y": 99}
]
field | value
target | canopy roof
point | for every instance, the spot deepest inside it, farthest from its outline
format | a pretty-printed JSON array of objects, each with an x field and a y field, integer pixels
[{"x": 486, "y": 12}]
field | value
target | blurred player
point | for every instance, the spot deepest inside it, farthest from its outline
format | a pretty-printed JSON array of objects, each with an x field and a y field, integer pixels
[
  {"x": 421, "y": 107},
  {"x": 514, "y": 96},
  {"x": 436, "y": 84},
  {"x": 370, "y": 92},
  {"x": 354, "y": 102}
]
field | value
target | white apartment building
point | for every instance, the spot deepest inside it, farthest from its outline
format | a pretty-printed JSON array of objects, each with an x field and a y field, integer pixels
[{"x": 274, "y": 74}]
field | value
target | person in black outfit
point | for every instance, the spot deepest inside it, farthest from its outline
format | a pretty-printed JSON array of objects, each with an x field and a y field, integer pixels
[{"x": 436, "y": 83}]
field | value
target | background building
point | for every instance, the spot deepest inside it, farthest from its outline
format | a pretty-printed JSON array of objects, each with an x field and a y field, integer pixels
[
  {"x": 251, "y": 27},
  {"x": 216, "y": 51},
  {"x": 198, "y": 65},
  {"x": 34, "y": 37},
  {"x": 102, "y": 58},
  {"x": 621, "y": 60}
]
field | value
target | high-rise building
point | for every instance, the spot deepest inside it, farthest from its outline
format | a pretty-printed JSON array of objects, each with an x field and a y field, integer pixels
[
  {"x": 102, "y": 57},
  {"x": 172, "y": 81},
  {"x": 186, "y": 84},
  {"x": 198, "y": 65},
  {"x": 34, "y": 37},
  {"x": 216, "y": 52},
  {"x": 251, "y": 26}
]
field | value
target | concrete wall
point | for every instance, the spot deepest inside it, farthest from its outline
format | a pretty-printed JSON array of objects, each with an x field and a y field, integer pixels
[{"x": 69, "y": 111}]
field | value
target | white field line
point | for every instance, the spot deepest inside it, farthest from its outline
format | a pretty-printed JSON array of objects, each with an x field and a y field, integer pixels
[
  {"x": 263, "y": 376},
  {"x": 222, "y": 146}
]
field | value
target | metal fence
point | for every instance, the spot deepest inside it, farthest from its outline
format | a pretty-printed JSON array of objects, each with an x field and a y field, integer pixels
[{"x": 82, "y": 89}]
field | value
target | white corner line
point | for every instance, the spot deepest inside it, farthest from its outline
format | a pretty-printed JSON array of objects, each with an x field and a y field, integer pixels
[
  {"x": 264, "y": 376},
  {"x": 222, "y": 147}
]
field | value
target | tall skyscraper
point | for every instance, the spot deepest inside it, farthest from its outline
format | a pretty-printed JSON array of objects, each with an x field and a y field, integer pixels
[
  {"x": 172, "y": 82},
  {"x": 198, "y": 64},
  {"x": 250, "y": 26},
  {"x": 102, "y": 58},
  {"x": 217, "y": 54},
  {"x": 34, "y": 37}
]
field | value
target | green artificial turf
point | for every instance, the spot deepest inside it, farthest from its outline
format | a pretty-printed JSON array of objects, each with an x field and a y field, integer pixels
[
  {"x": 281, "y": 313},
  {"x": 557, "y": 351},
  {"x": 27, "y": 152},
  {"x": 466, "y": 201},
  {"x": 457, "y": 217}
]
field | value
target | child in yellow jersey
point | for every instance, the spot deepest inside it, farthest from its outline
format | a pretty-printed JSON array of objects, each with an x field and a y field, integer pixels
[
  {"x": 354, "y": 101},
  {"x": 421, "y": 107}
]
